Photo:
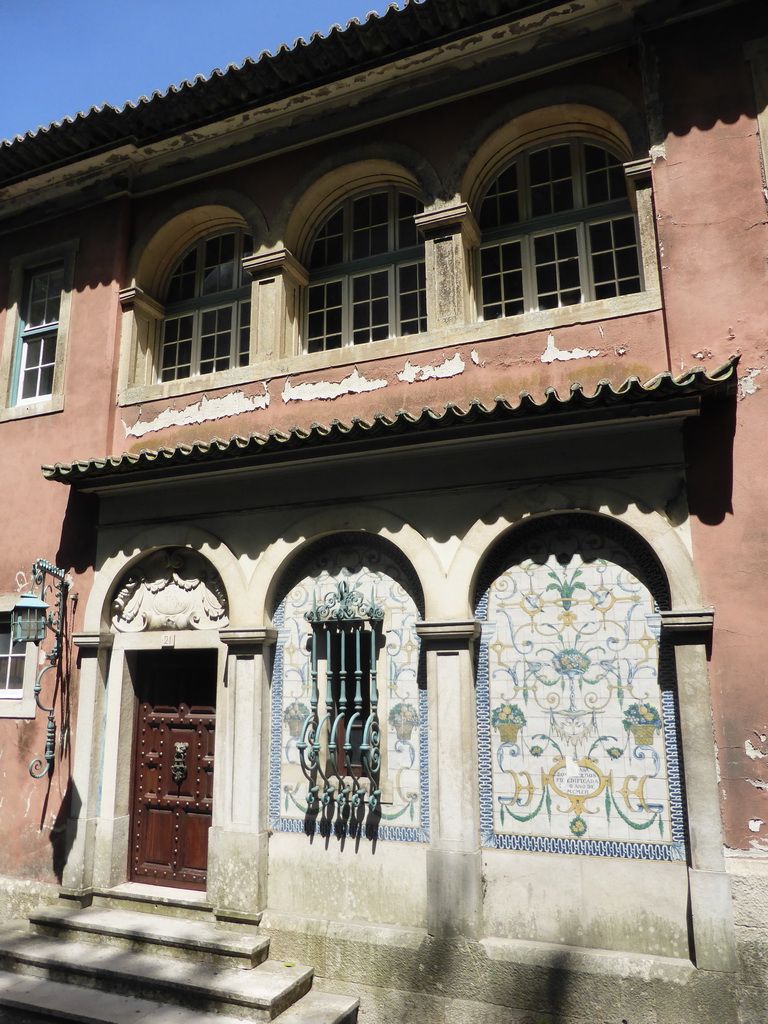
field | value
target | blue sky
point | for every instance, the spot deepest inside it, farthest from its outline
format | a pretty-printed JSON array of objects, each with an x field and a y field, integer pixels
[{"x": 62, "y": 56}]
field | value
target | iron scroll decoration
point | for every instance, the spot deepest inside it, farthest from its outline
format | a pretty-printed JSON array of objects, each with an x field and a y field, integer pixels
[
  {"x": 53, "y": 620},
  {"x": 344, "y": 610}
]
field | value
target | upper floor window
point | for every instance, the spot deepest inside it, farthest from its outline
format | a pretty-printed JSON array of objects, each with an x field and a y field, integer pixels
[
  {"x": 207, "y": 309},
  {"x": 38, "y": 333},
  {"x": 557, "y": 229},
  {"x": 366, "y": 268}
]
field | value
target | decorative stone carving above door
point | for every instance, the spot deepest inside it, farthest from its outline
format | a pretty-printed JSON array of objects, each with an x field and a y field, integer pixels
[{"x": 174, "y": 588}]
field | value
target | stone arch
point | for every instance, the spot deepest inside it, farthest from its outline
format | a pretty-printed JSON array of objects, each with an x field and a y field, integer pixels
[
  {"x": 313, "y": 198},
  {"x": 598, "y": 114},
  {"x": 167, "y": 236},
  {"x": 654, "y": 529},
  {"x": 131, "y": 552},
  {"x": 413, "y": 546}
]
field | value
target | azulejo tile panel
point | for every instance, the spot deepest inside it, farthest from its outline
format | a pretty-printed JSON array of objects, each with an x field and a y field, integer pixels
[
  {"x": 577, "y": 732},
  {"x": 402, "y": 711}
]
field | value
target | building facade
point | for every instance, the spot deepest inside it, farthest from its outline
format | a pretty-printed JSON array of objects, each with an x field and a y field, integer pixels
[{"x": 398, "y": 402}]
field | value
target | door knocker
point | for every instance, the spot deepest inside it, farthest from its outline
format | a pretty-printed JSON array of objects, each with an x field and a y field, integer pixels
[{"x": 179, "y": 768}]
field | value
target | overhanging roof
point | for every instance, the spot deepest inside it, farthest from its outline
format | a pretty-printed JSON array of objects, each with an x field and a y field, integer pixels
[
  {"x": 664, "y": 395},
  {"x": 420, "y": 24}
]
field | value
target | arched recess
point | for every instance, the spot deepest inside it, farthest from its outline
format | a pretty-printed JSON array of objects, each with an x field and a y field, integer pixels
[
  {"x": 576, "y": 693},
  {"x": 349, "y": 738},
  {"x": 116, "y": 566},
  {"x": 151, "y": 263},
  {"x": 167, "y": 236},
  {"x": 265, "y": 582},
  {"x": 344, "y": 175},
  {"x": 606, "y": 117}
]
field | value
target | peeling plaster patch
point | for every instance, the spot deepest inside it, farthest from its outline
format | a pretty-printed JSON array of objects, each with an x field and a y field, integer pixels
[
  {"x": 354, "y": 384},
  {"x": 753, "y": 752},
  {"x": 552, "y": 352},
  {"x": 476, "y": 358},
  {"x": 758, "y": 784},
  {"x": 448, "y": 368},
  {"x": 704, "y": 353},
  {"x": 755, "y": 823},
  {"x": 200, "y": 412},
  {"x": 658, "y": 152},
  {"x": 747, "y": 385}
]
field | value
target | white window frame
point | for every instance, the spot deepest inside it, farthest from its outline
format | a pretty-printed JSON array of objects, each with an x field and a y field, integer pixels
[
  {"x": 236, "y": 299},
  {"x": 15, "y": 337},
  {"x": 350, "y": 270},
  {"x": 18, "y": 703},
  {"x": 580, "y": 217}
]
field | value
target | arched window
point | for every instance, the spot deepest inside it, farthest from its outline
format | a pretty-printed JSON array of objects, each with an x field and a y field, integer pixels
[
  {"x": 366, "y": 267},
  {"x": 557, "y": 229},
  {"x": 207, "y": 308}
]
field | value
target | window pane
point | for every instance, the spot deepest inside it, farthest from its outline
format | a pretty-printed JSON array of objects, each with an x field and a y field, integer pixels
[
  {"x": 615, "y": 262},
  {"x": 407, "y": 232},
  {"x": 501, "y": 205},
  {"x": 551, "y": 180},
  {"x": 216, "y": 339},
  {"x": 501, "y": 280},
  {"x": 558, "y": 276},
  {"x": 604, "y": 174},
  {"x": 244, "y": 344},
  {"x": 182, "y": 283},
  {"x": 219, "y": 266},
  {"x": 370, "y": 225},
  {"x": 177, "y": 348},
  {"x": 37, "y": 363},
  {"x": 328, "y": 249},
  {"x": 324, "y": 320},
  {"x": 370, "y": 307},
  {"x": 44, "y": 296}
]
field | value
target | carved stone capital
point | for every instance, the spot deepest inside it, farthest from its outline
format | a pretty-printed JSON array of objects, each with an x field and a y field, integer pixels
[
  {"x": 278, "y": 261},
  {"x": 263, "y": 636},
  {"x": 93, "y": 641},
  {"x": 457, "y": 631},
  {"x": 134, "y": 299},
  {"x": 688, "y": 620},
  {"x": 450, "y": 220},
  {"x": 639, "y": 171}
]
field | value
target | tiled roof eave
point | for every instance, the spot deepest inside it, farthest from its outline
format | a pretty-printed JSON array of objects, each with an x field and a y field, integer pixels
[
  {"x": 663, "y": 396},
  {"x": 419, "y": 25}
]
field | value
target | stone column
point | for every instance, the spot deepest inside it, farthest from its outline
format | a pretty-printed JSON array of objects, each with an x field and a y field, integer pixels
[
  {"x": 278, "y": 279},
  {"x": 77, "y": 876},
  {"x": 238, "y": 840},
  {"x": 454, "y": 868},
  {"x": 714, "y": 938},
  {"x": 142, "y": 317},
  {"x": 450, "y": 234}
]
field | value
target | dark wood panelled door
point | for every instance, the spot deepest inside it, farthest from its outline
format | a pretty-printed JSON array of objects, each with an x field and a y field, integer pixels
[{"x": 173, "y": 766}]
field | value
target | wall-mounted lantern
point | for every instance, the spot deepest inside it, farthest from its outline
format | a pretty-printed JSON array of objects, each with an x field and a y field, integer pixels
[{"x": 30, "y": 618}]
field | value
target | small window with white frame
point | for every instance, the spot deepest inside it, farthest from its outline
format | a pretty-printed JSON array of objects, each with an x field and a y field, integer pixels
[
  {"x": 207, "y": 309},
  {"x": 38, "y": 334},
  {"x": 557, "y": 229},
  {"x": 18, "y": 662},
  {"x": 366, "y": 273}
]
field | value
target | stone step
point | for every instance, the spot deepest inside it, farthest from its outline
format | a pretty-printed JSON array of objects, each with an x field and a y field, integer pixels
[
  {"x": 25, "y": 1000},
  {"x": 257, "y": 994},
  {"x": 155, "y": 899},
  {"x": 195, "y": 940}
]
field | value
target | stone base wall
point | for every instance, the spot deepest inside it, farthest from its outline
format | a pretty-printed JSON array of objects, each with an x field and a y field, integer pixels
[
  {"x": 403, "y": 975},
  {"x": 20, "y": 896}
]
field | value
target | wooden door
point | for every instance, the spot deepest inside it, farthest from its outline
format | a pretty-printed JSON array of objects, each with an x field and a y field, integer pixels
[{"x": 173, "y": 767}]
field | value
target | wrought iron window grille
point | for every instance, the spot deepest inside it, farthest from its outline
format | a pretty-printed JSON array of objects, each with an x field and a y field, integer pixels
[{"x": 340, "y": 745}]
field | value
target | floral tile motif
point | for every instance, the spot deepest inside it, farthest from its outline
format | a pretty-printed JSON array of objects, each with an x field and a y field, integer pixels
[
  {"x": 402, "y": 710},
  {"x": 577, "y": 739}
]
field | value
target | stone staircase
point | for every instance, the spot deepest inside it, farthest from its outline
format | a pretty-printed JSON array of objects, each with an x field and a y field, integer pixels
[{"x": 152, "y": 958}]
